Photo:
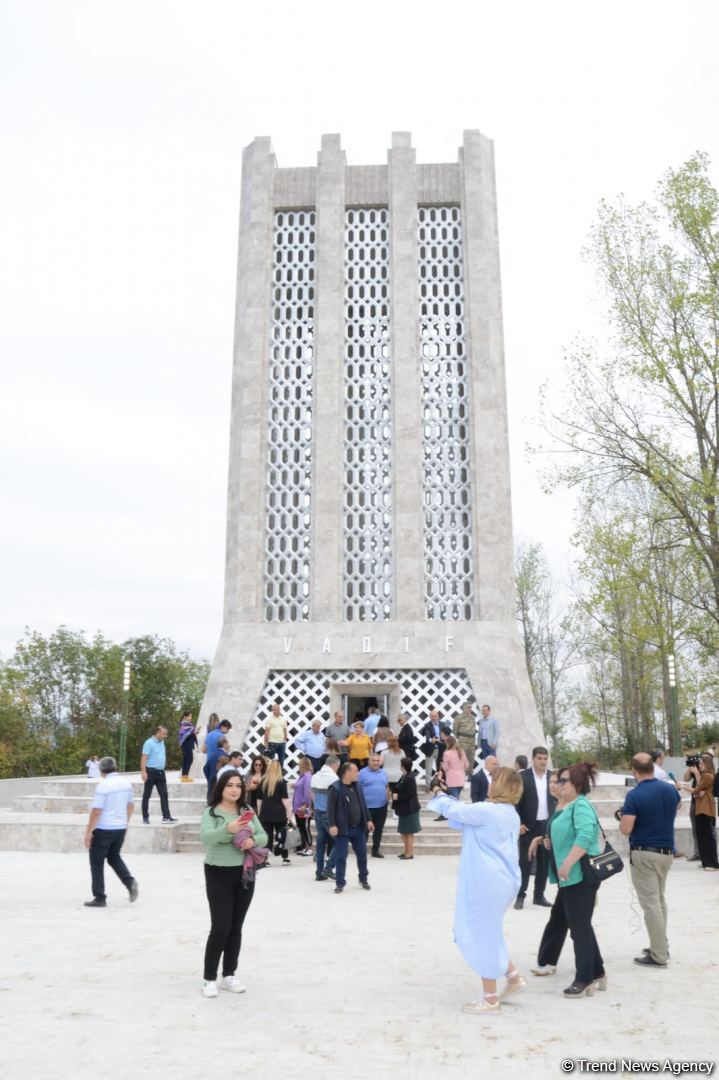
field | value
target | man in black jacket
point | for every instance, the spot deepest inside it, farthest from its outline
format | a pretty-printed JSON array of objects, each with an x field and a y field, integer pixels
[
  {"x": 432, "y": 745},
  {"x": 481, "y": 781},
  {"x": 349, "y": 822},
  {"x": 534, "y": 808}
]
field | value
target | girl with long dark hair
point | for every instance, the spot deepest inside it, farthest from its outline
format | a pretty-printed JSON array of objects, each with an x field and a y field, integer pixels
[{"x": 228, "y": 895}]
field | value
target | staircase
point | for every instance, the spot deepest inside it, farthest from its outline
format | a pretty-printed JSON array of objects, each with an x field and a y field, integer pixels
[{"x": 54, "y": 819}]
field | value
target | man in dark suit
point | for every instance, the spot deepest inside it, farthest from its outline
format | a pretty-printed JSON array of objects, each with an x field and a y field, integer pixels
[
  {"x": 534, "y": 808},
  {"x": 432, "y": 745},
  {"x": 481, "y": 781}
]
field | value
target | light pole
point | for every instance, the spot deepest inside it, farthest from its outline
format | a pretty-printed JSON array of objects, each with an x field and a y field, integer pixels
[
  {"x": 123, "y": 721},
  {"x": 674, "y": 704}
]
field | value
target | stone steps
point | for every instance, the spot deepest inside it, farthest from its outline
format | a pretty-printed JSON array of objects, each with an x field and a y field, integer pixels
[
  {"x": 79, "y": 804},
  {"x": 54, "y": 819},
  {"x": 66, "y": 832}
]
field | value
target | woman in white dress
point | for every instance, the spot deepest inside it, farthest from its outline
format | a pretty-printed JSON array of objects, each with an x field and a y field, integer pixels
[{"x": 487, "y": 884}]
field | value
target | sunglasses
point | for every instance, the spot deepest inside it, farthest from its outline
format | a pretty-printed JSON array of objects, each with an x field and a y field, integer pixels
[{"x": 563, "y": 780}]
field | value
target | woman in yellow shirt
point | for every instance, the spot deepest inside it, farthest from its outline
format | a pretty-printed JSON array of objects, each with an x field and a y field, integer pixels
[{"x": 359, "y": 745}]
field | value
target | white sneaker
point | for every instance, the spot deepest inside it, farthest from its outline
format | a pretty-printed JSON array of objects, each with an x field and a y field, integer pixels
[
  {"x": 543, "y": 969},
  {"x": 209, "y": 989},
  {"x": 231, "y": 983}
]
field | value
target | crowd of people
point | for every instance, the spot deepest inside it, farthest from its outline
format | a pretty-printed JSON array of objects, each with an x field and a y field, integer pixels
[{"x": 521, "y": 822}]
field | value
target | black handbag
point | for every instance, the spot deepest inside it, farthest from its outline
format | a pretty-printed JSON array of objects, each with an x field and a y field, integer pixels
[{"x": 599, "y": 868}]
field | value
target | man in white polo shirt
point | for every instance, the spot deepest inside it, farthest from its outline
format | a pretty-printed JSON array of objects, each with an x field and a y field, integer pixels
[{"x": 112, "y": 808}]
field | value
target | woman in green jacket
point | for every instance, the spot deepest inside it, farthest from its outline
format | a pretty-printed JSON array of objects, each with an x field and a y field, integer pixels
[
  {"x": 228, "y": 895},
  {"x": 574, "y": 832}
]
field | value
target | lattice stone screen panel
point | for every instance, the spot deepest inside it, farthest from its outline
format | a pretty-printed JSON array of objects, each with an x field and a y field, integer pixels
[
  {"x": 288, "y": 499},
  {"x": 367, "y": 554},
  {"x": 449, "y": 584},
  {"x": 305, "y": 695}
]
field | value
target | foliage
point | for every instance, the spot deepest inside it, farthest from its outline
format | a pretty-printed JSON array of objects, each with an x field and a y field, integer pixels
[
  {"x": 61, "y": 699},
  {"x": 636, "y": 431},
  {"x": 549, "y": 646}
]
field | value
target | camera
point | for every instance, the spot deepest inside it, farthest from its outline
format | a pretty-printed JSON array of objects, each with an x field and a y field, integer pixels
[{"x": 693, "y": 759}]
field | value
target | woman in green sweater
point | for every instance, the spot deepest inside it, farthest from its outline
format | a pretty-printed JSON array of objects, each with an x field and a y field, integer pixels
[
  {"x": 573, "y": 833},
  {"x": 228, "y": 895}
]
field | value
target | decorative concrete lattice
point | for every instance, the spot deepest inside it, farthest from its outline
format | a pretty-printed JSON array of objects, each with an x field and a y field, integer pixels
[
  {"x": 367, "y": 555},
  {"x": 305, "y": 695},
  {"x": 288, "y": 500},
  {"x": 449, "y": 585}
]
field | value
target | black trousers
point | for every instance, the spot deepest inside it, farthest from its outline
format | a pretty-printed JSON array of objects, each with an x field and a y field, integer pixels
[
  {"x": 276, "y": 837},
  {"x": 555, "y": 933},
  {"x": 305, "y": 831},
  {"x": 540, "y": 875},
  {"x": 155, "y": 779},
  {"x": 188, "y": 752},
  {"x": 317, "y": 762},
  {"x": 106, "y": 845},
  {"x": 378, "y": 816},
  {"x": 578, "y": 906},
  {"x": 229, "y": 903},
  {"x": 706, "y": 840}
]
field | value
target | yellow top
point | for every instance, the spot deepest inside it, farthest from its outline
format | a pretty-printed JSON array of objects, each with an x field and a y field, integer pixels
[
  {"x": 275, "y": 729},
  {"x": 359, "y": 746}
]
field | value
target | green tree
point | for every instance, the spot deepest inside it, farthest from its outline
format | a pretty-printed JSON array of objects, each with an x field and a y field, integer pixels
[
  {"x": 648, "y": 408},
  {"x": 61, "y": 699},
  {"x": 549, "y": 643}
]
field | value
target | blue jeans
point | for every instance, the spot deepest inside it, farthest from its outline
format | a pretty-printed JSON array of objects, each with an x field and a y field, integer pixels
[
  {"x": 279, "y": 748},
  {"x": 322, "y": 840},
  {"x": 486, "y": 749},
  {"x": 357, "y": 837},
  {"x": 455, "y": 791}
]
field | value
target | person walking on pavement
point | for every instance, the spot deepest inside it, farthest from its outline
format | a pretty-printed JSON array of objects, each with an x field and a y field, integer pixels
[
  {"x": 535, "y": 808},
  {"x": 152, "y": 770},
  {"x": 375, "y": 788},
  {"x": 319, "y": 787},
  {"x": 647, "y": 819},
  {"x": 112, "y": 806},
  {"x": 349, "y": 823}
]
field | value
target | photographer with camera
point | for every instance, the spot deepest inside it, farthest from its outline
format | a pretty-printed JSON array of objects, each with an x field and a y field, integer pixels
[
  {"x": 687, "y": 783},
  {"x": 701, "y": 770}
]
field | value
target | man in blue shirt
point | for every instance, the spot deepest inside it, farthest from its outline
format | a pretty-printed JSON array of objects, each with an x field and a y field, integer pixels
[
  {"x": 152, "y": 769},
  {"x": 214, "y": 751},
  {"x": 488, "y": 733},
  {"x": 311, "y": 743},
  {"x": 375, "y": 788},
  {"x": 370, "y": 724},
  {"x": 647, "y": 818}
]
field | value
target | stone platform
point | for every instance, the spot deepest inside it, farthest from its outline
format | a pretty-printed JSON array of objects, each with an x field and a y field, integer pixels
[{"x": 351, "y": 986}]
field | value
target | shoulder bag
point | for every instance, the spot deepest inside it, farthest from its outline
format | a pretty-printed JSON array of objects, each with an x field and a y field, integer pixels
[{"x": 598, "y": 868}]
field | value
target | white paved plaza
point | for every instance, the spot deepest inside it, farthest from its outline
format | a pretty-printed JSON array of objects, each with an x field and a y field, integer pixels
[{"x": 358, "y": 985}]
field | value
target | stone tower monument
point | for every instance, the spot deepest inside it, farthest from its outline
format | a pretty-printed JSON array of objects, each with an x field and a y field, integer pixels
[{"x": 369, "y": 529}]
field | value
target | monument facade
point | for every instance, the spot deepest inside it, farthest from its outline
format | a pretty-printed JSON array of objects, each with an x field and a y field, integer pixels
[{"x": 369, "y": 527}]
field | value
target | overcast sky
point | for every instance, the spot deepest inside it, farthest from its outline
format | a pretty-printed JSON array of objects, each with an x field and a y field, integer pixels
[{"x": 122, "y": 132}]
